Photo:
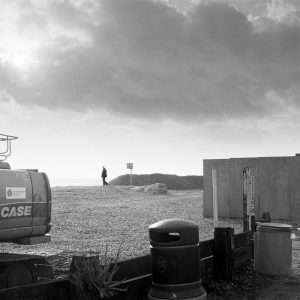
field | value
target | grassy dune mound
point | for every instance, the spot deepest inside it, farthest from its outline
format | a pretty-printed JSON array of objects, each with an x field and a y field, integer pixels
[{"x": 174, "y": 182}]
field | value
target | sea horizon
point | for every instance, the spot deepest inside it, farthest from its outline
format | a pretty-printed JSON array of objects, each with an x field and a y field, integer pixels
[{"x": 74, "y": 182}]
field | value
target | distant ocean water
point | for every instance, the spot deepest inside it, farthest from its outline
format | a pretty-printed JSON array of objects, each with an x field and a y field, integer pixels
[{"x": 74, "y": 181}]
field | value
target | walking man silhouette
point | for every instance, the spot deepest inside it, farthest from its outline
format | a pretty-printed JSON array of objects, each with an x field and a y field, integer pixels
[{"x": 104, "y": 175}]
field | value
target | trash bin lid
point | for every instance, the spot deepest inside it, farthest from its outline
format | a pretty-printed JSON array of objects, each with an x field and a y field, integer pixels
[
  {"x": 273, "y": 226},
  {"x": 173, "y": 232}
]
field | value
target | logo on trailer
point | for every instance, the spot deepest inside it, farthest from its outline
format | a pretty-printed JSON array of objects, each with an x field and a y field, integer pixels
[
  {"x": 15, "y": 193},
  {"x": 15, "y": 211}
]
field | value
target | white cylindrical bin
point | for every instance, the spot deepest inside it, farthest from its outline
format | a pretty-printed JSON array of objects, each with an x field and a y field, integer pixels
[{"x": 273, "y": 248}]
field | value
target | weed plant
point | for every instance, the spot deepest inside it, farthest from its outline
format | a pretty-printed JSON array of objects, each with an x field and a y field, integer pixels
[{"x": 93, "y": 275}]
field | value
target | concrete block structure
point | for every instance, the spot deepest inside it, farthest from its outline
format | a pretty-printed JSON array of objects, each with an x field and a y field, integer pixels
[{"x": 277, "y": 186}]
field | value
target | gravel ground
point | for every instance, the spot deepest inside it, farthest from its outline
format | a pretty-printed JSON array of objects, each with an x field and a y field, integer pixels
[{"x": 86, "y": 219}]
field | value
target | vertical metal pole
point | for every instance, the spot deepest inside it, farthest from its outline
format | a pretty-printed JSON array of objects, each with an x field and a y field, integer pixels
[
  {"x": 215, "y": 197},
  {"x": 252, "y": 203},
  {"x": 246, "y": 176},
  {"x": 131, "y": 177},
  {"x": 252, "y": 227},
  {"x": 249, "y": 200}
]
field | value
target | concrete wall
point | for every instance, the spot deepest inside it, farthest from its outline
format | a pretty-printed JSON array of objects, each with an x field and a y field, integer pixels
[
  {"x": 277, "y": 186},
  {"x": 295, "y": 188},
  {"x": 273, "y": 194}
]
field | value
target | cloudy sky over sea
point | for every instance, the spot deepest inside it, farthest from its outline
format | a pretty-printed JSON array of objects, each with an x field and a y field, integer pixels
[{"x": 162, "y": 84}]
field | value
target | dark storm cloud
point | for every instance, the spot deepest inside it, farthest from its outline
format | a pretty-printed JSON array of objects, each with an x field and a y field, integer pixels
[{"x": 144, "y": 59}]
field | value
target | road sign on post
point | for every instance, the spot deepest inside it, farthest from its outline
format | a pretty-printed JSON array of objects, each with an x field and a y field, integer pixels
[{"x": 130, "y": 167}]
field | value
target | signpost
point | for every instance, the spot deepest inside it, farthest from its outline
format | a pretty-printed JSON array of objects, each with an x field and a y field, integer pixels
[{"x": 130, "y": 167}]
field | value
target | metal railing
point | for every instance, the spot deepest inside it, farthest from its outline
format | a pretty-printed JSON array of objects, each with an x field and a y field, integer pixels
[{"x": 6, "y": 141}]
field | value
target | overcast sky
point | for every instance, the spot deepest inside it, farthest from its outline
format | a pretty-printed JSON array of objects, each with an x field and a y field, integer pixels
[{"x": 162, "y": 84}]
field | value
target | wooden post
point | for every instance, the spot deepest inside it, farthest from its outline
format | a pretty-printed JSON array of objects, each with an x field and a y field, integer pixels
[
  {"x": 223, "y": 253},
  {"x": 79, "y": 262},
  {"x": 215, "y": 197}
]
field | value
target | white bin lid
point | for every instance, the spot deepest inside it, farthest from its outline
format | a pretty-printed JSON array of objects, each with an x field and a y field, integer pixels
[{"x": 274, "y": 226}]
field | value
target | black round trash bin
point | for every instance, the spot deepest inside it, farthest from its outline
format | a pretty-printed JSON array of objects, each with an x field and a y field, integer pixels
[{"x": 175, "y": 260}]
